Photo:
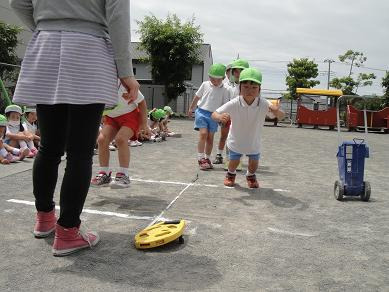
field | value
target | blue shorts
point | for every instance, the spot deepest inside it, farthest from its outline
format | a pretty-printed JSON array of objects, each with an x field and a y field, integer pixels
[
  {"x": 237, "y": 156},
  {"x": 203, "y": 120}
]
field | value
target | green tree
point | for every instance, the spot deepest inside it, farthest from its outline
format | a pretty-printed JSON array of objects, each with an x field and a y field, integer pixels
[
  {"x": 354, "y": 59},
  {"x": 385, "y": 85},
  {"x": 348, "y": 84},
  {"x": 8, "y": 43},
  {"x": 300, "y": 74},
  {"x": 173, "y": 47}
]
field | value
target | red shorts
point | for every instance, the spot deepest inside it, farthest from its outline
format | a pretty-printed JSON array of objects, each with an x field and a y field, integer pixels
[{"x": 130, "y": 120}]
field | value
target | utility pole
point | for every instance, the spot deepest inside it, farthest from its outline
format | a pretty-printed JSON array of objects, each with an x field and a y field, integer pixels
[{"x": 329, "y": 61}]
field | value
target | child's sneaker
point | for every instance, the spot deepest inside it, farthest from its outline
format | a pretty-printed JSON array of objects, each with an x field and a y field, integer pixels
[
  {"x": 12, "y": 158},
  {"x": 218, "y": 159},
  {"x": 138, "y": 143},
  {"x": 203, "y": 163},
  {"x": 23, "y": 154},
  {"x": 44, "y": 224},
  {"x": 34, "y": 151},
  {"x": 229, "y": 181},
  {"x": 102, "y": 179},
  {"x": 210, "y": 165},
  {"x": 112, "y": 147},
  {"x": 70, "y": 240},
  {"x": 120, "y": 181},
  {"x": 252, "y": 181},
  {"x": 132, "y": 143}
]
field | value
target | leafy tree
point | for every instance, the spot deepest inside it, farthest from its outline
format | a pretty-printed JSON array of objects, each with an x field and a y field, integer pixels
[
  {"x": 348, "y": 84},
  {"x": 385, "y": 85},
  {"x": 355, "y": 59},
  {"x": 8, "y": 43},
  {"x": 301, "y": 73},
  {"x": 173, "y": 47}
]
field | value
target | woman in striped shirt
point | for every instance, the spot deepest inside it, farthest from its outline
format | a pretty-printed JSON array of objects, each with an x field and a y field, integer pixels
[{"x": 70, "y": 70}]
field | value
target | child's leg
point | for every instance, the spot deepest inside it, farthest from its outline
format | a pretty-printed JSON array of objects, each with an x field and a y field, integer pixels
[
  {"x": 203, "y": 135},
  {"x": 107, "y": 134},
  {"x": 223, "y": 138},
  {"x": 252, "y": 167},
  {"x": 3, "y": 150},
  {"x": 232, "y": 165},
  {"x": 121, "y": 139},
  {"x": 209, "y": 144}
]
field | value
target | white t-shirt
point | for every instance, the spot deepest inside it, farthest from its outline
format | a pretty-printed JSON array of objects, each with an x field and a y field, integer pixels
[
  {"x": 32, "y": 128},
  {"x": 212, "y": 97},
  {"x": 12, "y": 129},
  {"x": 123, "y": 107},
  {"x": 246, "y": 124}
]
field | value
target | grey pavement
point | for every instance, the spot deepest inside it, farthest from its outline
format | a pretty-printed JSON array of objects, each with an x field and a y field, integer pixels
[{"x": 290, "y": 235}]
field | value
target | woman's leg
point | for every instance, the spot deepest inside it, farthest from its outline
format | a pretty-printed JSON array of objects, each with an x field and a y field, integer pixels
[
  {"x": 83, "y": 127},
  {"x": 53, "y": 126}
]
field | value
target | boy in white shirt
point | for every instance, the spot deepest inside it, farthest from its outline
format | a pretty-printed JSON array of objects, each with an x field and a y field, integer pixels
[
  {"x": 210, "y": 96},
  {"x": 120, "y": 124},
  {"x": 233, "y": 85},
  {"x": 247, "y": 113}
]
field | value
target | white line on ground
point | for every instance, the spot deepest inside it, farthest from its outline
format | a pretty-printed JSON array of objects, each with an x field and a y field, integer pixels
[
  {"x": 172, "y": 183},
  {"x": 96, "y": 212},
  {"x": 275, "y": 230},
  {"x": 159, "y": 217}
]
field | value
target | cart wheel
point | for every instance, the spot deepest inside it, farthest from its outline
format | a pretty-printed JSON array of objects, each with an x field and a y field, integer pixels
[
  {"x": 331, "y": 128},
  {"x": 338, "y": 191},
  {"x": 299, "y": 125},
  {"x": 365, "y": 196},
  {"x": 181, "y": 240}
]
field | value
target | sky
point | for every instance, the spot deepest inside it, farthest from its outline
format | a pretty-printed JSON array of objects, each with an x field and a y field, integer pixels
[{"x": 270, "y": 33}]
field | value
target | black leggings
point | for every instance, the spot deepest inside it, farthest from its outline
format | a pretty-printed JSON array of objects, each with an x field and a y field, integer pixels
[{"x": 74, "y": 129}]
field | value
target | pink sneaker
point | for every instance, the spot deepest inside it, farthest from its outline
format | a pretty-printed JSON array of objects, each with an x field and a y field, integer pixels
[
  {"x": 23, "y": 154},
  {"x": 34, "y": 151},
  {"x": 45, "y": 224},
  {"x": 30, "y": 154},
  {"x": 70, "y": 240},
  {"x": 12, "y": 158}
]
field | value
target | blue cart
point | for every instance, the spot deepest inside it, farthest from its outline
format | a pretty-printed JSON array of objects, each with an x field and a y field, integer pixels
[{"x": 351, "y": 163}]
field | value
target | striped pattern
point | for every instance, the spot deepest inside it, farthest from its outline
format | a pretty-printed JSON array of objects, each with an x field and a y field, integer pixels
[{"x": 67, "y": 67}]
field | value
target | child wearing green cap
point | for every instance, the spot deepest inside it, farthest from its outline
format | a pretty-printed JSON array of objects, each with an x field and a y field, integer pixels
[
  {"x": 247, "y": 113},
  {"x": 233, "y": 85},
  {"x": 210, "y": 96}
]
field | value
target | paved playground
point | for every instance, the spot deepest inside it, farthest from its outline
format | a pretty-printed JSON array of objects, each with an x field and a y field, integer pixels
[{"x": 291, "y": 234}]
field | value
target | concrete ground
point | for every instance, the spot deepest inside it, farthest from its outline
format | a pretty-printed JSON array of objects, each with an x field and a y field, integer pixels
[{"x": 291, "y": 234}]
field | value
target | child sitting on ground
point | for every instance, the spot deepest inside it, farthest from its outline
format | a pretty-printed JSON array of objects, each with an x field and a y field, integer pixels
[
  {"x": 16, "y": 135},
  {"x": 247, "y": 113},
  {"x": 8, "y": 154},
  {"x": 121, "y": 123},
  {"x": 31, "y": 125}
]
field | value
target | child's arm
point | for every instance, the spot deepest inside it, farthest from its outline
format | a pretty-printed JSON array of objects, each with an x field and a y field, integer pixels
[
  {"x": 18, "y": 136},
  {"x": 276, "y": 110},
  {"x": 28, "y": 134},
  {"x": 143, "y": 125},
  {"x": 221, "y": 117},
  {"x": 193, "y": 105}
]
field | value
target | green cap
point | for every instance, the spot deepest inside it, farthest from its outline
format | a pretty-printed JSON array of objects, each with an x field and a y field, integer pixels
[
  {"x": 251, "y": 74},
  {"x": 158, "y": 114},
  {"x": 30, "y": 110},
  {"x": 13, "y": 108},
  {"x": 3, "y": 121},
  {"x": 217, "y": 71},
  {"x": 240, "y": 64},
  {"x": 168, "y": 109}
]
